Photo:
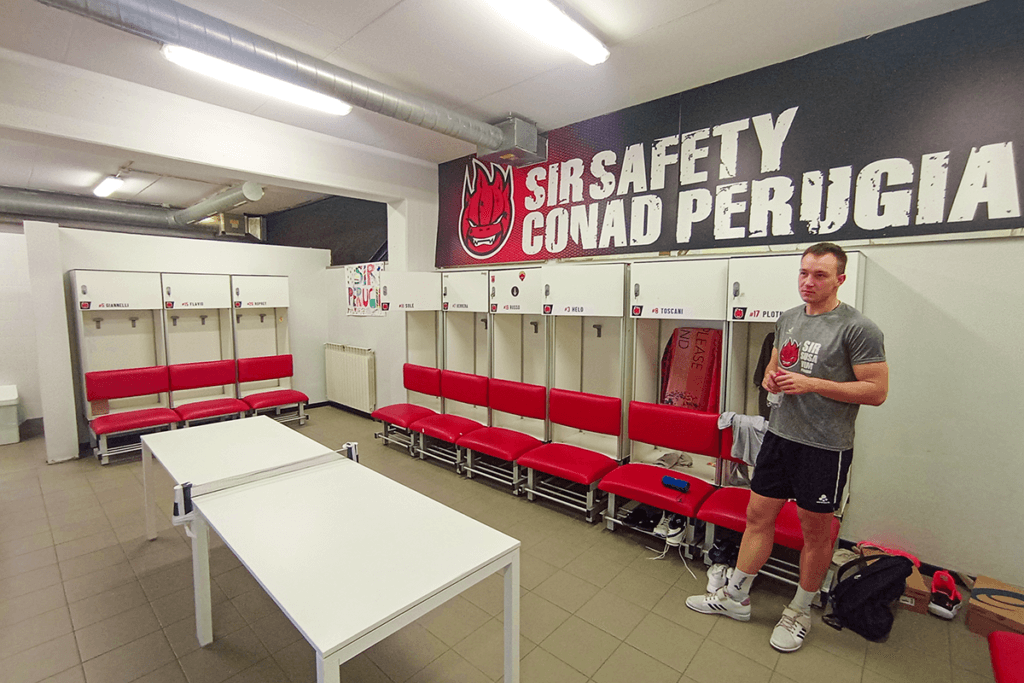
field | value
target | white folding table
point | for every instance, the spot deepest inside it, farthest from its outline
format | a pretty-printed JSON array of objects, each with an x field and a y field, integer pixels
[{"x": 348, "y": 555}]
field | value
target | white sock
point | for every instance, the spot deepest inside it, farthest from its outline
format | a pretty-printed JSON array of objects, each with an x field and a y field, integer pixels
[
  {"x": 739, "y": 585},
  {"x": 802, "y": 600}
]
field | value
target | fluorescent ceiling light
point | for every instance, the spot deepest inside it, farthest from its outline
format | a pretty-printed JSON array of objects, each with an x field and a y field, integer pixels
[
  {"x": 550, "y": 24},
  {"x": 108, "y": 186},
  {"x": 246, "y": 78}
]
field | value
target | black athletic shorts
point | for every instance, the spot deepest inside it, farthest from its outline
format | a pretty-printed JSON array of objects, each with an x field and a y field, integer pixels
[{"x": 815, "y": 477}]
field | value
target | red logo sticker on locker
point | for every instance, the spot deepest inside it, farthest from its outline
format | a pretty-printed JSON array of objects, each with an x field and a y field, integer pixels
[
  {"x": 547, "y": 309},
  {"x": 445, "y": 305},
  {"x": 169, "y": 304},
  {"x": 494, "y": 307},
  {"x": 637, "y": 310},
  {"x": 385, "y": 306},
  {"x": 739, "y": 313},
  {"x": 85, "y": 305},
  {"x": 522, "y": 275},
  {"x": 238, "y": 304}
]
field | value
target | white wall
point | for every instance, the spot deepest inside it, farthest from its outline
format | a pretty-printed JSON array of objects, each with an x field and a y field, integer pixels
[{"x": 17, "y": 325}]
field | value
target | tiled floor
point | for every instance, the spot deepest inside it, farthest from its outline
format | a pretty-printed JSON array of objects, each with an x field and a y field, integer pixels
[{"x": 83, "y": 597}]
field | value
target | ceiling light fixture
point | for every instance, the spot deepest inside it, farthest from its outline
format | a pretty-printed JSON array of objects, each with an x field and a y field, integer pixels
[
  {"x": 252, "y": 80},
  {"x": 549, "y": 23},
  {"x": 109, "y": 185}
]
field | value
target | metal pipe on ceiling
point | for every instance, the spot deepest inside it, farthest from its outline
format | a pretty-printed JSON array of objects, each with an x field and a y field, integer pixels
[
  {"x": 70, "y": 207},
  {"x": 169, "y": 22}
]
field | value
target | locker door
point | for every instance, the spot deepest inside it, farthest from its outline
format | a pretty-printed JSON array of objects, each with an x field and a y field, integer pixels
[
  {"x": 592, "y": 290},
  {"x": 680, "y": 290},
  {"x": 516, "y": 291},
  {"x": 99, "y": 289},
  {"x": 762, "y": 287},
  {"x": 410, "y": 291},
  {"x": 260, "y": 291},
  {"x": 182, "y": 290},
  {"x": 465, "y": 291}
]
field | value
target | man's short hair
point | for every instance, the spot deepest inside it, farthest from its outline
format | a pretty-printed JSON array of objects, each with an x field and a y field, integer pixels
[{"x": 822, "y": 248}]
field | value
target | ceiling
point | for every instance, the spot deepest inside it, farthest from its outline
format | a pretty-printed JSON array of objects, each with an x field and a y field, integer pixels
[{"x": 456, "y": 53}]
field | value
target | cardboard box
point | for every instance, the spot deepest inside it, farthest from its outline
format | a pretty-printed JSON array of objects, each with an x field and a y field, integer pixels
[
  {"x": 917, "y": 594},
  {"x": 995, "y": 606}
]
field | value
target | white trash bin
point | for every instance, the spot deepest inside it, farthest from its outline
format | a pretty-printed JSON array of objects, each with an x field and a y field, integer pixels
[{"x": 9, "y": 414}]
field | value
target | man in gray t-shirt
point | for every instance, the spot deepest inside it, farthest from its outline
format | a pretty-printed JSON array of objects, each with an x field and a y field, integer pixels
[{"x": 828, "y": 360}]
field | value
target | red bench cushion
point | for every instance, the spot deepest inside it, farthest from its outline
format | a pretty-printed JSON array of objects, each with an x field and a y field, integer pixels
[
  {"x": 464, "y": 387},
  {"x": 580, "y": 465},
  {"x": 422, "y": 379},
  {"x": 206, "y": 374},
  {"x": 499, "y": 442},
  {"x": 445, "y": 427},
  {"x": 108, "y": 384},
  {"x": 728, "y": 507},
  {"x": 135, "y": 419},
  {"x": 212, "y": 408},
  {"x": 1007, "y": 652},
  {"x": 518, "y": 398},
  {"x": 590, "y": 412},
  {"x": 642, "y": 482},
  {"x": 401, "y": 414},
  {"x": 273, "y": 399},
  {"x": 264, "y": 367}
]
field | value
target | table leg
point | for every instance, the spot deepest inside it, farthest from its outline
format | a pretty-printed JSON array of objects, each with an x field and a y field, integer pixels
[
  {"x": 328, "y": 670},
  {"x": 201, "y": 580},
  {"x": 147, "y": 490},
  {"x": 511, "y": 573}
]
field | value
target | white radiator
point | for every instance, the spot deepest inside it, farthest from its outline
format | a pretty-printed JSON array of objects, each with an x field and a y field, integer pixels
[{"x": 351, "y": 376}]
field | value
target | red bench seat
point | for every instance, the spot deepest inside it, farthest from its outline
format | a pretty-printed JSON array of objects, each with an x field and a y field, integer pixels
[
  {"x": 201, "y": 375},
  {"x": 398, "y": 417},
  {"x": 580, "y": 465},
  {"x": 642, "y": 482},
  {"x": 1007, "y": 652},
  {"x": 498, "y": 442},
  {"x": 447, "y": 427},
  {"x": 727, "y": 507},
  {"x": 267, "y": 368},
  {"x": 133, "y": 420}
]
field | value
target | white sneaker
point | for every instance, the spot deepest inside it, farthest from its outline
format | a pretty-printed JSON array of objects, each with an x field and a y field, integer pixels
[
  {"x": 661, "y": 531},
  {"x": 676, "y": 529},
  {"x": 720, "y": 603},
  {"x": 791, "y": 630},
  {"x": 718, "y": 577}
]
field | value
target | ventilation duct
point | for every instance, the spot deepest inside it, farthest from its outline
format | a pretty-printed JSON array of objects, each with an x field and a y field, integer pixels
[
  {"x": 35, "y": 204},
  {"x": 169, "y": 22}
]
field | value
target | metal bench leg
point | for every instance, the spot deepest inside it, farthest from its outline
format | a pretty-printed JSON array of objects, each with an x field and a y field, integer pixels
[
  {"x": 609, "y": 514},
  {"x": 529, "y": 484}
]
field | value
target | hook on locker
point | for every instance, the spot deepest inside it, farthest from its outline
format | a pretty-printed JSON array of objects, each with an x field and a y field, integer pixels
[
  {"x": 238, "y": 318},
  {"x": 535, "y": 325},
  {"x": 174, "y": 320},
  {"x": 484, "y": 321},
  {"x": 202, "y": 319},
  {"x": 134, "y": 320},
  {"x": 598, "y": 328},
  {"x": 97, "y": 321},
  {"x": 262, "y": 316}
]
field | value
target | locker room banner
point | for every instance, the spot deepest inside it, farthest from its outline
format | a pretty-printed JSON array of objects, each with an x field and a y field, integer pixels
[
  {"x": 915, "y": 131},
  {"x": 363, "y": 284}
]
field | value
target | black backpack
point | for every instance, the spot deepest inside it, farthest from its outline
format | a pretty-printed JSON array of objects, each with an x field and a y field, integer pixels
[{"x": 863, "y": 597}]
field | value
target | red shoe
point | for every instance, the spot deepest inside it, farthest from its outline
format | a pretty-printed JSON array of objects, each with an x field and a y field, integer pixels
[{"x": 945, "y": 597}]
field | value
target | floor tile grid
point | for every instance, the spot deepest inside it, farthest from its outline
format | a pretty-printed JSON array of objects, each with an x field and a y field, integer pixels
[{"x": 594, "y": 607}]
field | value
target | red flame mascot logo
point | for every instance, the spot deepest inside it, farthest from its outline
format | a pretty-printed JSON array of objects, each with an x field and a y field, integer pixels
[
  {"x": 790, "y": 354},
  {"x": 485, "y": 223}
]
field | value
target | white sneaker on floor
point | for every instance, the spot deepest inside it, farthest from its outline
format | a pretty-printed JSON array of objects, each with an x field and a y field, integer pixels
[
  {"x": 720, "y": 603},
  {"x": 718, "y": 577},
  {"x": 661, "y": 530},
  {"x": 791, "y": 630}
]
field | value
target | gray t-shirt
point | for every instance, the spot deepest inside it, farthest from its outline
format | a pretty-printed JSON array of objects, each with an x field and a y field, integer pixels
[{"x": 827, "y": 345}]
